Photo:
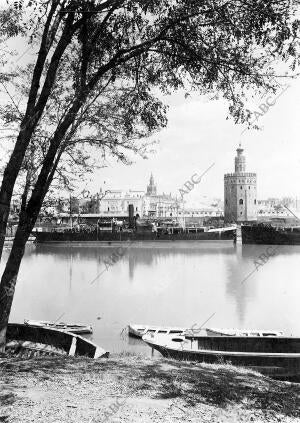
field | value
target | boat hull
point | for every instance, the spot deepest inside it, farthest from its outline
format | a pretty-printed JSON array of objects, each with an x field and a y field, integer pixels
[
  {"x": 49, "y": 237},
  {"x": 269, "y": 235},
  {"x": 55, "y": 341},
  {"x": 287, "y": 367},
  {"x": 278, "y": 356}
]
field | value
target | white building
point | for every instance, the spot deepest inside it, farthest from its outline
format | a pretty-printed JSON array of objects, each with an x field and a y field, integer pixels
[
  {"x": 145, "y": 203},
  {"x": 116, "y": 202}
]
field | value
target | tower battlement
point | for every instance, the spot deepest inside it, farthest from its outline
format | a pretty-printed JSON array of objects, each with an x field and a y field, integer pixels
[{"x": 240, "y": 175}]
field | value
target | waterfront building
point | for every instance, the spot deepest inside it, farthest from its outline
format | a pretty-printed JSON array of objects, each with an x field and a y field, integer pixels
[
  {"x": 202, "y": 212},
  {"x": 160, "y": 205},
  {"x": 240, "y": 193},
  {"x": 148, "y": 204},
  {"x": 116, "y": 202}
]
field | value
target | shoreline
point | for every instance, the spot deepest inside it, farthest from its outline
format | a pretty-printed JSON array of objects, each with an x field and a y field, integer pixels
[{"x": 129, "y": 388}]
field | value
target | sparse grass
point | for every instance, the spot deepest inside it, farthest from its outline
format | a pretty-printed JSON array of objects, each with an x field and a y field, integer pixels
[
  {"x": 218, "y": 386},
  {"x": 7, "y": 398},
  {"x": 129, "y": 354}
]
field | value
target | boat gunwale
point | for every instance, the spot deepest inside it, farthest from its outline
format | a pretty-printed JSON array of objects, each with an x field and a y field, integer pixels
[
  {"x": 229, "y": 353},
  {"x": 257, "y": 333},
  {"x": 282, "y": 338},
  {"x": 75, "y": 328},
  {"x": 189, "y": 332}
]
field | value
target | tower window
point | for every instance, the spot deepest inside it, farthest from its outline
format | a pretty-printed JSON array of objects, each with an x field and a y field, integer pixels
[
  {"x": 254, "y": 201},
  {"x": 226, "y": 201},
  {"x": 241, "y": 201},
  {"x": 241, "y": 187},
  {"x": 249, "y": 187}
]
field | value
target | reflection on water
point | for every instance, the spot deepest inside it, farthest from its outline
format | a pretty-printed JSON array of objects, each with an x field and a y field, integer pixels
[{"x": 165, "y": 283}]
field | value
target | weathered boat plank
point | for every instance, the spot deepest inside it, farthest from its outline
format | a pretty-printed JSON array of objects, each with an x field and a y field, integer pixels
[{"x": 66, "y": 342}]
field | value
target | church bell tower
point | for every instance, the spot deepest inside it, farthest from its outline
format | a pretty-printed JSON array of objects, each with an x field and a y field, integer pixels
[{"x": 151, "y": 188}]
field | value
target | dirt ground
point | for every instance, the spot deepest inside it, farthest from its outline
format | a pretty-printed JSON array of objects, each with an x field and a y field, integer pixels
[{"x": 135, "y": 389}]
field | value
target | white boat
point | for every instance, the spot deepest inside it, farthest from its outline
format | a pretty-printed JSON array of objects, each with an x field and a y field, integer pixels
[
  {"x": 66, "y": 327},
  {"x": 242, "y": 332},
  {"x": 138, "y": 331}
]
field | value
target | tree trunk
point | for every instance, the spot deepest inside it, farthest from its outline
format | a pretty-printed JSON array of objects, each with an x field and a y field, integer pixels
[
  {"x": 9, "y": 279},
  {"x": 8, "y": 182},
  {"x": 27, "y": 221}
]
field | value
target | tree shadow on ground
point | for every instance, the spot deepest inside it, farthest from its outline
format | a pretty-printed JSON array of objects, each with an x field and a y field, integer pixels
[{"x": 218, "y": 385}]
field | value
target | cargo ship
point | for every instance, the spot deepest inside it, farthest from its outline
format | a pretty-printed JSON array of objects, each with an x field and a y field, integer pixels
[
  {"x": 171, "y": 234},
  {"x": 268, "y": 234}
]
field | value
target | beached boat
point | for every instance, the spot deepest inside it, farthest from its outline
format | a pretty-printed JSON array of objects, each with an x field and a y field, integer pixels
[
  {"x": 74, "y": 328},
  {"x": 25, "y": 340},
  {"x": 276, "y": 356},
  {"x": 138, "y": 331},
  {"x": 242, "y": 332}
]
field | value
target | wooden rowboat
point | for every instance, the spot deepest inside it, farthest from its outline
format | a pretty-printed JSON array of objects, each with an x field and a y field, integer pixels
[
  {"x": 73, "y": 328},
  {"x": 138, "y": 331},
  {"x": 275, "y": 356},
  {"x": 25, "y": 340},
  {"x": 242, "y": 332}
]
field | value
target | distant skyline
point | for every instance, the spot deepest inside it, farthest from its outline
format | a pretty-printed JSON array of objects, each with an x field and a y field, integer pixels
[{"x": 198, "y": 135}]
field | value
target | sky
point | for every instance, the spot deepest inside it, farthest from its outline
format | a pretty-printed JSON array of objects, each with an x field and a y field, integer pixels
[{"x": 199, "y": 136}]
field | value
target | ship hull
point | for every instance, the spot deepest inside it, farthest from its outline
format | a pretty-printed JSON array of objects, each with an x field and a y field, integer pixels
[
  {"x": 269, "y": 235},
  {"x": 48, "y": 237}
]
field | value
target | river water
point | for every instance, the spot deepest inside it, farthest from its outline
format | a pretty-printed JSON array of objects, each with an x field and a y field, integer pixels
[{"x": 160, "y": 283}]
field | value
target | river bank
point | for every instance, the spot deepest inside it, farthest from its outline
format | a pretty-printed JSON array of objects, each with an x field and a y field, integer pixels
[{"x": 129, "y": 388}]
